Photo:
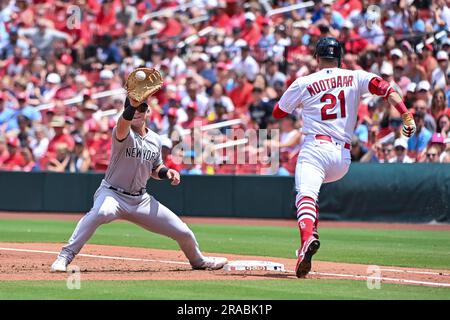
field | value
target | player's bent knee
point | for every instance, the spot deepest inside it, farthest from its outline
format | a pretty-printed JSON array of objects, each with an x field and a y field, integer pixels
[{"x": 184, "y": 234}]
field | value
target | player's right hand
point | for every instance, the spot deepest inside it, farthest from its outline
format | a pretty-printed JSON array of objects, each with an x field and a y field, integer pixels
[{"x": 409, "y": 126}]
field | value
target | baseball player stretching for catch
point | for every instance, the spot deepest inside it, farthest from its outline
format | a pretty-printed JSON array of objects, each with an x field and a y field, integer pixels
[
  {"x": 135, "y": 157},
  {"x": 330, "y": 99}
]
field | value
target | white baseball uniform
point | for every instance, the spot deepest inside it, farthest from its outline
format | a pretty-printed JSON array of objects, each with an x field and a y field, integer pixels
[
  {"x": 329, "y": 99},
  {"x": 122, "y": 195}
]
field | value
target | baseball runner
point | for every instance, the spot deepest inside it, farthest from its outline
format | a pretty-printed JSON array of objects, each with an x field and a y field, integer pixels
[
  {"x": 329, "y": 99},
  {"x": 135, "y": 157}
]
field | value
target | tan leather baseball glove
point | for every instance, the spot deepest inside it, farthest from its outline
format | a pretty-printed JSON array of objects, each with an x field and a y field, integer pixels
[{"x": 140, "y": 89}]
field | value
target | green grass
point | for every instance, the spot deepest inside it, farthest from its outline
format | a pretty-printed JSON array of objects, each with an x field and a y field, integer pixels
[
  {"x": 258, "y": 289},
  {"x": 408, "y": 248}
]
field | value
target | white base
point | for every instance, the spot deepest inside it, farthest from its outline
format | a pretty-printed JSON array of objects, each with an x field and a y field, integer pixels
[{"x": 253, "y": 265}]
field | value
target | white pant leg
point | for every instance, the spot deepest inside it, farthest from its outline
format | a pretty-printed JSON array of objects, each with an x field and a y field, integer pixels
[
  {"x": 319, "y": 162},
  {"x": 308, "y": 179},
  {"x": 155, "y": 217},
  {"x": 338, "y": 167},
  {"x": 106, "y": 209}
]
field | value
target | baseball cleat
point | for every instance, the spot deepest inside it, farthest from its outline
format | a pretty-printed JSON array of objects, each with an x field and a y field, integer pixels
[
  {"x": 212, "y": 263},
  {"x": 305, "y": 254},
  {"x": 60, "y": 265}
]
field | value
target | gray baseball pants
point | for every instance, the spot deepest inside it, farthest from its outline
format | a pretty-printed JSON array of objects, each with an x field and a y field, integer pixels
[{"x": 145, "y": 211}]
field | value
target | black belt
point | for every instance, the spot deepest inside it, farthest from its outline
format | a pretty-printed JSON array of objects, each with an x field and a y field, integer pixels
[{"x": 128, "y": 193}]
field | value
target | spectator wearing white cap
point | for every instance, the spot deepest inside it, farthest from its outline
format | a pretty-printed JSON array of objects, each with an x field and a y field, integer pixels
[
  {"x": 106, "y": 74},
  {"x": 396, "y": 54},
  {"x": 439, "y": 75},
  {"x": 251, "y": 31},
  {"x": 423, "y": 91},
  {"x": 52, "y": 85},
  {"x": 107, "y": 82},
  {"x": 410, "y": 96},
  {"x": 445, "y": 45},
  {"x": 400, "y": 148},
  {"x": 387, "y": 73}
]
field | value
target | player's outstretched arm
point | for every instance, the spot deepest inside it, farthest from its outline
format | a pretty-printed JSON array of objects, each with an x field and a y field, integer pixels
[
  {"x": 409, "y": 126},
  {"x": 124, "y": 122},
  {"x": 381, "y": 87},
  {"x": 162, "y": 172}
]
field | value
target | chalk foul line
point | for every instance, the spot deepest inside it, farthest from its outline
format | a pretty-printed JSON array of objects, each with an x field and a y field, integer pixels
[{"x": 340, "y": 275}]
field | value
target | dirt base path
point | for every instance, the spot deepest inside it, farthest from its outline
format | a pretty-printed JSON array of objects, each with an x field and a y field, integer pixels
[
  {"x": 31, "y": 261},
  {"x": 243, "y": 221}
]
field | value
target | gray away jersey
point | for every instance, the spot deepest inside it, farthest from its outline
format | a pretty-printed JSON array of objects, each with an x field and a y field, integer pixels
[{"x": 133, "y": 160}]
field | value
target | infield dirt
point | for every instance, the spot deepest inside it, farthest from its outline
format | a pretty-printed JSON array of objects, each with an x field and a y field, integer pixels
[
  {"x": 16, "y": 264},
  {"x": 172, "y": 265}
]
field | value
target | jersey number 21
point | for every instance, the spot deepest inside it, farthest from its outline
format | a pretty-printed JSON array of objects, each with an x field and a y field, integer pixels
[{"x": 331, "y": 103}]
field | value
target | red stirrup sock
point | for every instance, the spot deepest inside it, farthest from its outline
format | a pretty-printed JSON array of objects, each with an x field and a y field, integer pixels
[{"x": 306, "y": 217}]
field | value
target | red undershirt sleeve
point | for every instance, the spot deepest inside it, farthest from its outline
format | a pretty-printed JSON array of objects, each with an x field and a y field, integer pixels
[{"x": 277, "y": 113}]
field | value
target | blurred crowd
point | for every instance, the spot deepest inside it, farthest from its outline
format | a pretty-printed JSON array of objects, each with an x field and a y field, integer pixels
[{"x": 62, "y": 64}]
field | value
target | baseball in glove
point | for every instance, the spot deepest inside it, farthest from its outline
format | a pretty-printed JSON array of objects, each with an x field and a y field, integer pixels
[{"x": 141, "y": 85}]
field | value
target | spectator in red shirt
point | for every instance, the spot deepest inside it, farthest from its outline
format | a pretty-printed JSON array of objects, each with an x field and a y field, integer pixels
[
  {"x": 106, "y": 19},
  {"x": 251, "y": 32},
  {"x": 14, "y": 65},
  {"x": 427, "y": 61},
  {"x": 15, "y": 160},
  {"x": 166, "y": 153},
  {"x": 193, "y": 119},
  {"x": 100, "y": 151},
  {"x": 241, "y": 95},
  {"x": 26, "y": 14},
  {"x": 4, "y": 154},
  {"x": 220, "y": 18},
  {"x": 58, "y": 124},
  {"x": 172, "y": 27},
  {"x": 352, "y": 41},
  {"x": 345, "y": 7},
  {"x": 88, "y": 110}
]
